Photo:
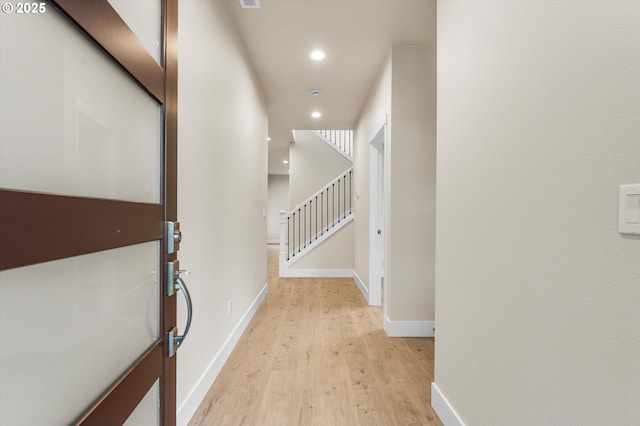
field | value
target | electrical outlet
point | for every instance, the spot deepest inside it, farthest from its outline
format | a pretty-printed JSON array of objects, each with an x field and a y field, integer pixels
[{"x": 229, "y": 308}]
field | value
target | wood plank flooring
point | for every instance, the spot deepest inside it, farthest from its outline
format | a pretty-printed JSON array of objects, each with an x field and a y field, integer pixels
[{"x": 316, "y": 354}]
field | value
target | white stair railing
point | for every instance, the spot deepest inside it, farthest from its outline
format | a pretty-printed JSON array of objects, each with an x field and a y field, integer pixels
[
  {"x": 340, "y": 140},
  {"x": 316, "y": 218}
]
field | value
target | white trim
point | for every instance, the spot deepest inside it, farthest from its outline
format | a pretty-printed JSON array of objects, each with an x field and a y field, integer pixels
[
  {"x": 273, "y": 241},
  {"x": 375, "y": 290},
  {"x": 363, "y": 289},
  {"x": 376, "y": 149},
  {"x": 409, "y": 328},
  {"x": 319, "y": 273},
  {"x": 199, "y": 391},
  {"x": 443, "y": 407}
]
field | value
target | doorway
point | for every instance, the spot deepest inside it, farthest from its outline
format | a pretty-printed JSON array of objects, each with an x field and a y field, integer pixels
[
  {"x": 377, "y": 232},
  {"x": 87, "y": 183}
]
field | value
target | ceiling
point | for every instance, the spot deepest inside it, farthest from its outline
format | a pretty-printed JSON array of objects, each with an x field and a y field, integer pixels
[{"x": 356, "y": 36}]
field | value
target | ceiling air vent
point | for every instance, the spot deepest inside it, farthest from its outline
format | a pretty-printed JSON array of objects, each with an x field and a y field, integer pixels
[{"x": 250, "y": 4}]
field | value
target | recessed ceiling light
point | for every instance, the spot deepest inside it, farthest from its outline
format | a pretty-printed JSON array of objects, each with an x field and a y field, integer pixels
[
  {"x": 315, "y": 92},
  {"x": 285, "y": 162},
  {"x": 268, "y": 138},
  {"x": 316, "y": 114},
  {"x": 317, "y": 55}
]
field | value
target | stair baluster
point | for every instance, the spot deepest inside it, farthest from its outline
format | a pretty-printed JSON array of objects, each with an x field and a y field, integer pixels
[{"x": 333, "y": 207}]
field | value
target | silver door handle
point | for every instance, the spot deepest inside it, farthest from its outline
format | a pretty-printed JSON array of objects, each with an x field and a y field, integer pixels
[
  {"x": 180, "y": 285},
  {"x": 175, "y": 340}
]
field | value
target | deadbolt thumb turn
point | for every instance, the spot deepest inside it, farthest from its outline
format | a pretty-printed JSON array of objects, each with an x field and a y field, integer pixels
[{"x": 174, "y": 236}]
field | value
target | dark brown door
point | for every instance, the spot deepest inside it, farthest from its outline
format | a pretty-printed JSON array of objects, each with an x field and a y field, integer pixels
[{"x": 88, "y": 116}]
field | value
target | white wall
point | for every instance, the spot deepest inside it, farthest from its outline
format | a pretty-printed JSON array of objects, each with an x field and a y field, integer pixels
[
  {"x": 406, "y": 90},
  {"x": 278, "y": 199},
  {"x": 312, "y": 165},
  {"x": 537, "y": 292},
  {"x": 222, "y": 186},
  {"x": 410, "y": 160},
  {"x": 371, "y": 119},
  {"x": 336, "y": 252}
]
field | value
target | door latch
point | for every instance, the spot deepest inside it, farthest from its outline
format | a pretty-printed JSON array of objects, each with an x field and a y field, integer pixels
[
  {"x": 173, "y": 341},
  {"x": 173, "y": 275},
  {"x": 173, "y": 236}
]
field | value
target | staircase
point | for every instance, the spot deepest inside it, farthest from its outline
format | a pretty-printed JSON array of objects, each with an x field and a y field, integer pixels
[
  {"x": 315, "y": 220},
  {"x": 340, "y": 140}
]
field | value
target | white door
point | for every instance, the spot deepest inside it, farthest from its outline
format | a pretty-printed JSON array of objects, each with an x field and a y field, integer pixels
[{"x": 377, "y": 232}]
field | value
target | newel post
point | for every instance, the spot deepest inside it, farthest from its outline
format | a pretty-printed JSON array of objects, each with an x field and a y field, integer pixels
[{"x": 283, "y": 244}]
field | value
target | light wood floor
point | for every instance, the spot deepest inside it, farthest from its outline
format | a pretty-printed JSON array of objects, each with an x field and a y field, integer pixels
[{"x": 316, "y": 354}]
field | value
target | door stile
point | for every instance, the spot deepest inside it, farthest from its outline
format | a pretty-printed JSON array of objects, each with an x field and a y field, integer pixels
[{"x": 168, "y": 412}]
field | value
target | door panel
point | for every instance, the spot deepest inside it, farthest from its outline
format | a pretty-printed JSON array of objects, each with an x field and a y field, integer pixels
[
  {"x": 87, "y": 182},
  {"x": 148, "y": 411},
  {"x": 94, "y": 316},
  {"x": 85, "y": 126}
]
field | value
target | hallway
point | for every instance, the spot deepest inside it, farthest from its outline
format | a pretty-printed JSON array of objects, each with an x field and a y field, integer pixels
[{"x": 316, "y": 354}]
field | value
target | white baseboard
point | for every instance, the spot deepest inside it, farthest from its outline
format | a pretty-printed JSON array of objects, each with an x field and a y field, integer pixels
[
  {"x": 443, "y": 408},
  {"x": 199, "y": 391},
  {"x": 409, "y": 328},
  {"x": 319, "y": 273},
  {"x": 363, "y": 289}
]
